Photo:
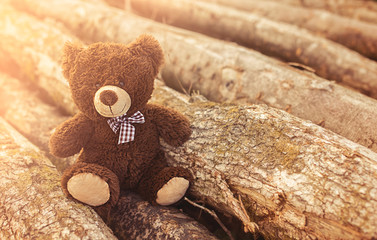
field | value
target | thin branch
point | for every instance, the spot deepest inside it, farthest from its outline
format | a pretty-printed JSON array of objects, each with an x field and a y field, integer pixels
[
  {"x": 213, "y": 214},
  {"x": 251, "y": 226}
]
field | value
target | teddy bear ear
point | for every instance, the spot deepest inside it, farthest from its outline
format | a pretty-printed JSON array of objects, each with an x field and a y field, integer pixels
[
  {"x": 149, "y": 46},
  {"x": 70, "y": 52}
]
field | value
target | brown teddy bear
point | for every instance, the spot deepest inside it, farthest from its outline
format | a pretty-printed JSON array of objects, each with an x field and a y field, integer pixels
[{"x": 116, "y": 130}]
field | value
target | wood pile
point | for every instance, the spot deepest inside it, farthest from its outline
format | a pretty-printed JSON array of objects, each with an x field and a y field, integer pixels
[{"x": 284, "y": 147}]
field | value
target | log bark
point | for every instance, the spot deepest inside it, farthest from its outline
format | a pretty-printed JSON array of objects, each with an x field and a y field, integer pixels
[
  {"x": 222, "y": 71},
  {"x": 140, "y": 220},
  {"x": 317, "y": 184},
  {"x": 32, "y": 205},
  {"x": 357, "y": 35},
  {"x": 361, "y": 9},
  {"x": 132, "y": 218},
  {"x": 290, "y": 174},
  {"x": 284, "y": 41},
  {"x": 296, "y": 179},
  {"x": 36, "y": 120}
]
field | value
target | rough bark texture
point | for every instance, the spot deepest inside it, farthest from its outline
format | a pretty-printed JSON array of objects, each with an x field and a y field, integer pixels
[
  {"x": 36, "y": 119},
  {"x": 32, "y": 205},
  {"x": 318, "y": 184},
  {"x": 140, "y": 220},
  {"x": 364, "y": 10},
  {"x": 237, "y": 74},
  {"x": 357, "y": 35},
  {"x": 296, "y": 179},
  {"x": 290, "y": 43}
]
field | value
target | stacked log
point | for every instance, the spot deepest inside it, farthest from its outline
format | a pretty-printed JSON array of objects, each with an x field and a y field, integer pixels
[
  {"x": 278, "y": 147},
  {"x": 292, "y": 174},
  {"x": 223, "y": 71},
  {"x": 289, "y": 176},
  {"x": 284, "y": 41},
  {"x": 131, "y": 218},
  {"x": 32, "y": 205},
  {"x": 23, "y": 108},
  {"x": 365, "y": 10},
  {"x": 357, "y": 35}
]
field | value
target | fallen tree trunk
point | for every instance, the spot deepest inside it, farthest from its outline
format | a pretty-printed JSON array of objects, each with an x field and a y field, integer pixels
[
  {"x": 222, "y": 71},
  {"x": 357, "y": 35},
  {"x": 361, "y": 9},
  {"x": 285, "y": 41},
  {"x": 132, "y": 218},
  {"x": 32, "y": 205}
]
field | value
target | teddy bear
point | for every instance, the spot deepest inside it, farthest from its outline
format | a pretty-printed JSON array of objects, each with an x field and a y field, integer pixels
[{"x": 116, "y": 130}]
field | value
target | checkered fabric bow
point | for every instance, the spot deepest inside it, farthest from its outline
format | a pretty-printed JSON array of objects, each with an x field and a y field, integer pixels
[{"x": 127, "y": 131}]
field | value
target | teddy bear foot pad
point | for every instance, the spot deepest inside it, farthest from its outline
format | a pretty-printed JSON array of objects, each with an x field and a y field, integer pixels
[
  {"x": 89, "y": 188},
  {"x": 172, "y": 191}
]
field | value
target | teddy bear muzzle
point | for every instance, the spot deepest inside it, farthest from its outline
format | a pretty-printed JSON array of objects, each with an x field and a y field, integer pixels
[{"x": 111, "y": 101}]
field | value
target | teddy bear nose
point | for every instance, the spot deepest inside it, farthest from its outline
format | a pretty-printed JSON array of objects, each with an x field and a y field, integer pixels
[{"x": 108, "y": 97}]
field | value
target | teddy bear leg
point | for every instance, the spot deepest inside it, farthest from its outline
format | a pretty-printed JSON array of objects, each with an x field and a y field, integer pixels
[
  {"x": 172, "y": 191},
  {"x": 91, "y": 184},
  {"x": 166, "y": 186}
]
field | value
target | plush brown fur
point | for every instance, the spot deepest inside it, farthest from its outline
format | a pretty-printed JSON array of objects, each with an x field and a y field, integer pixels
[{"x": 140, "y": 164}]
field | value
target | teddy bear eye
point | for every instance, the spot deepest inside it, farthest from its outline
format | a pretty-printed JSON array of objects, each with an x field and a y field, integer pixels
[{"x": 121, "y": 83}]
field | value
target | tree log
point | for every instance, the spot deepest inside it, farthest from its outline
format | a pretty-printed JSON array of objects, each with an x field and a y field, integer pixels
[
  {"x": 364, "y": 10},
  {"x": 357, "y": 35},
  {"x": 222, "y": 71},
  {"x": 32, "y": 205},
  {"x": 317, "y": 184},
  {"x": 134, "y": 218},
  {"x": 291, "y": 174},
  {"x": 295, "y": 179},
  {"x": 290, "y": 43}
]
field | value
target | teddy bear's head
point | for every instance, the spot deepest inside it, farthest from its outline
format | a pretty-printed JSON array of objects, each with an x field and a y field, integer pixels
[{"x": 112, "y": 79}]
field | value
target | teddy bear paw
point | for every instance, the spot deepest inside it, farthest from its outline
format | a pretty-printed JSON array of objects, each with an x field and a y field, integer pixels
[
  {"x": 172, "y": 191},
  {"x": 89, "y": 188}
]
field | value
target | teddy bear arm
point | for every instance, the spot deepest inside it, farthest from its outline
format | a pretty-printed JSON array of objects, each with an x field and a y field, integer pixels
[
  {"x": 172, "y": 126},
  {"x": 70, "y": 136}
]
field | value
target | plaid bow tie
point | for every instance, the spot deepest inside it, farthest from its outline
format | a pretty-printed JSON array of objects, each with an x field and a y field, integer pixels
[{"x": 127, "y": 131}]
